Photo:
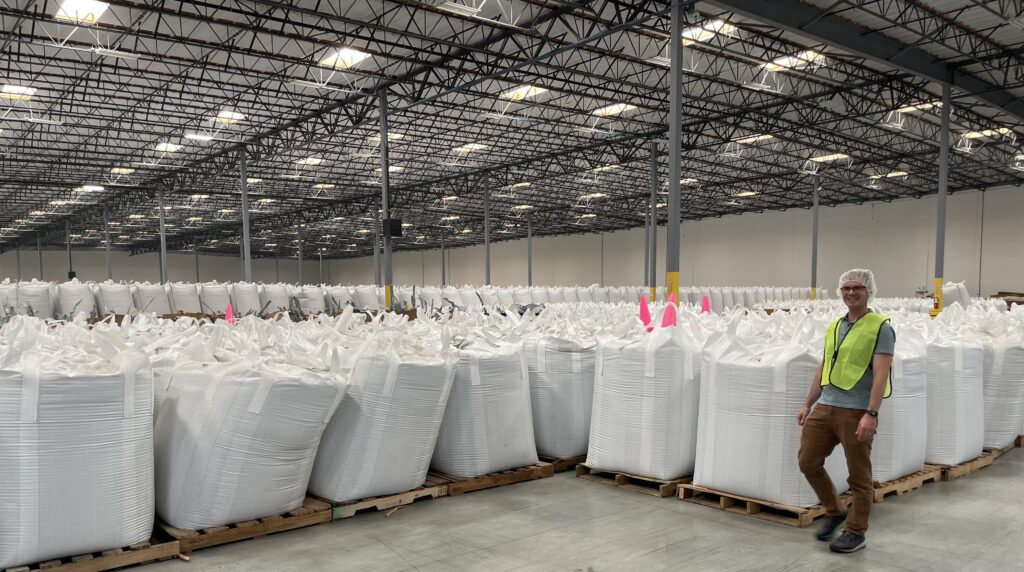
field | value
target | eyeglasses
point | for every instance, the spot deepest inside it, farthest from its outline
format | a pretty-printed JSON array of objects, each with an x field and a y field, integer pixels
[{"x": 851, "y": 289}]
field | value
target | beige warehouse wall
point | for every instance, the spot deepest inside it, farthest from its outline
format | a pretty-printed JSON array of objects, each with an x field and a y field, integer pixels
[
  {"x": 984, "y": 232},
  {"x": 897, "y": 240}
]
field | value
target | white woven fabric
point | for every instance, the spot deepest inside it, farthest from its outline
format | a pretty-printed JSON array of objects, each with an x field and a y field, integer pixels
[
  {"x": 366, "y": 298},
  {"x": 214, "y": 298},
  {"x": 185, "y": 298},
  {"x": 488, "y": 426},
  {"x": 453, "y": 295},
  {"x": 34, "y": 299},
  {"x": 245, "y": 299},
  {"x": 151, "y": 298},
  {"x": 899, "y": 446},
  {"x": 275, "y": 298},
  {"x": 76, "y": 447},
  {"x": 956, "y": 403},
  {"x": 114, "y": 298},
  {"x": 382, "y": 437},
  {"x": 562, "y": 393},
  {"x": 311, "y": 299},
  {"x": 748, "y": 439},
  {"x": 74, "y": 298},
  {"x": 236, "y": 441},
  {"x": 522, "y": 296},
  {"x": 646, "y": 392}
]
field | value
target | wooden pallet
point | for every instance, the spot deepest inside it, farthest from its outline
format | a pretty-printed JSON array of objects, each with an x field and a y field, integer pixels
[
  {"x": 951, "y": 472},
  {"x": 996, "y": 453},
  {"x": 108, "y": 559},
  {"x": 563, "y": 465},
  {"x": 913, "y": 481},
  {"x": 311, "y": 512},
  {"x": 756, "y": 508},
  {"x": 433, "y": 488},
  {"x": 1020, "y": 441},
  {"x": 462, "y": 485},
  {"x": 646, "y": 485}
]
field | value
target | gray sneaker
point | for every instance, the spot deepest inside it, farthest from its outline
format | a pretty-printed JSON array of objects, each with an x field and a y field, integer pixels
[
  {"x": 829, "y": 524},
  {"x": 848, "y": 542}
]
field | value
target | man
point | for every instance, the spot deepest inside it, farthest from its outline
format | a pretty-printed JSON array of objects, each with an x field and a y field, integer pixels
[{"x": 848, "y": 387}]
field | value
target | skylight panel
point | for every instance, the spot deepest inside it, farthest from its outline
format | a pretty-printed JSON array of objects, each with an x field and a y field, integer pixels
[
  {"x": 17, "y": 92},
  {"x": 80, "y": 12},
  {"x": 802, "y": 60},
  {"x": 523, "y": 92},
  {"x": 613, "y": 109},
  {"x": 830, "y": 157},
  {"x": 343, "y": 58}
]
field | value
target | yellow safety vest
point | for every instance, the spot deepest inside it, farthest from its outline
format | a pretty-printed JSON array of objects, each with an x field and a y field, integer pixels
[{"x": 845, "y": 362}]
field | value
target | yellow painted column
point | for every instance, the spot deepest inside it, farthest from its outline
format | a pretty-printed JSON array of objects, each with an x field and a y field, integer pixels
[
  {"x": 672, "y": 285},
  {"x": 937, "y": 308}
]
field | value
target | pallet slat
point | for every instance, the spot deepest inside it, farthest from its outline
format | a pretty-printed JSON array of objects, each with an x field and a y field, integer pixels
[
  {"x": 461, "y": 485},
  {"x": 311, "y": 512},
  {"x": 567, "y": 464},
  {"x": 433, "y": 488},
  {"x": 635, "y": 483},
  {"x": 996, "y": 453},
  {"x": 913, "y": 481},
  {"x": 952, "y": 472},
  {"x": 108, "y": 559},
  {"x": 755, "y": 508}
]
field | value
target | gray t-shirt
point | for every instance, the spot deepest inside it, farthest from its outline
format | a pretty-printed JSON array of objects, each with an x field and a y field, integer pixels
[{"x": 858, "y": 396}]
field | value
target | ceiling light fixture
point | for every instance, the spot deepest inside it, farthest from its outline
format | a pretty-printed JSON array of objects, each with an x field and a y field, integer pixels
[
  {"x": 707, "y": 31},
  {"x": 829, "y": 158},
  {"x": 613, "y": 109},
  {"x": 343, "y": 58},
  {"x": 80, "y": 12},
  {"x": 745, "y": 194},
  {"x": 469, "y": 148},
  {"x": 309, "y": 161},
  {"x": 523, "y": 92},
  {"x": 987, "y": 133},
  {"x": 228, "y": 116},
  {"x": 925, "y": 106},
  {"x": 205, "y": 138},
  {"x": 802, "y": 60},
  {"x": 166, "y": 147},
  {"x": 17, "y": 92},
  {"x": 753, "y": 139},
  {"x": 122, "y": 171}
]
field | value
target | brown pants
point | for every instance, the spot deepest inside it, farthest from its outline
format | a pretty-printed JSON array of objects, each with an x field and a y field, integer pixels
[{"x": 825, "y": 428}]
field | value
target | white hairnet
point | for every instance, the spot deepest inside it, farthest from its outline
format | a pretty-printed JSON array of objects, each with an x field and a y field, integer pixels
[{"x": 865, "y": 277}]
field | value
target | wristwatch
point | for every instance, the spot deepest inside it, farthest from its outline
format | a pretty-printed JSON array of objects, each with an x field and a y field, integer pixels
[{"x": 872, "y": 412}]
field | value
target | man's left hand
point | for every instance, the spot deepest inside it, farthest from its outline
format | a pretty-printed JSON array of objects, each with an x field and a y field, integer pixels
[{"x": 866, "y": 427}]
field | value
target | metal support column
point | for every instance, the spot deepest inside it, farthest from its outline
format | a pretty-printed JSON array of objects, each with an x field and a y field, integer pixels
[
  {"x": 17, "y": 260},
  {"x": 39, "y": 254},
  {"x": 67, "y": 237},
  {"x": 277, "y": 269},
  {"x": 385, "y": 199},
  {"x": 195, "y": 254},
  {"x": 487, "y": 233},
  {"x": 300, "y": 257},
  {"x": 163, "y": 237},
  {"x": 814, "y": 237},
  {"x": 443, "y": 276},
  {"x": 529, "y": 253},
  {"x": 940, "y": 223},
  {"x": 675, "y": 134},
  {"x": 246, "y": 246},
  {"x": 106, "y": 247},
  {"x": 376, "y": 250},
  {"x": 321, "y": 265},
  {"x": 652, "y": 226}
]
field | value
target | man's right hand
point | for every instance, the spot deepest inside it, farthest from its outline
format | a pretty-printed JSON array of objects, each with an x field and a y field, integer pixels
[{"x": 801, "y": 417}]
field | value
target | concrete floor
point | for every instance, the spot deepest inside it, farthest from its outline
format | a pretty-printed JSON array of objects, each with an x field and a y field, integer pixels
[{"x": 565, "y": 523}]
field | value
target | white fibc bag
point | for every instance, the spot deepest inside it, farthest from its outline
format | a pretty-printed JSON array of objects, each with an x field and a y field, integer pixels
[
  {"x": 338, "y": 297},
  {"x": 311, "y": 299},
  {"x": 751, "y": 388},
  {"x": 74, "y": 298},
  {"x": 505, "y": 297},
  {"x": 452, "y": 295},
  {"x": 34, "y": 299},
  {"x": 274, "y": 298},
  {"x": 955, "y": 395},
  {"x": 646, "y": 392},
  {"x": 488, "y": 425},
  {"x": 561, "y": 371},
  {"x": 899, "y": 446},
  {"x": 1003, "y": 380},
  {"x": 522, "y": 296},
  {"x": 214, "y": 298},
  {"x": 382, "y": 437},
  {"x": 236, "y": 441},
  {"x": 114, "y": 298},
  {"x": 245, "y": 299},
  {"x": 470, "y": 299},
  {"x": 76, "y": 447},
  {"x": 366, "y": 298},
  {"x": 185, "y": 298},
  {"x": 151, "y": 298},
  {"x": 556, "y": 296}
]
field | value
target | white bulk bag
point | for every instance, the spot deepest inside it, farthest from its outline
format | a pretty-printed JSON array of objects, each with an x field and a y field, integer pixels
[
  {"x": 245, "y": 299},
  {"x": 453, "y": 295},
  {"x": 275, "y": 298},
  {"x": 748, "y": 439},
  {"x": 1004, "y": 388},
  {"x": 538, "y": 295},
  {"x": 562, "y": 392},
  {"x": 185, "y": 298},
  {"x": 585, "y": 294},
  {"x": 644, "y": 417},
  {"x": 430, "y": 297},
  {"x": 899, "y": 446},
  {"x": 953, "y": 293},
  {"x": 522, "y": 296},
  {"x": 214, "y": 298},
  {"x": 956, "y": 403},
  {"x": 570, "y": 295},
  {"x": 505, "y": 297},
  {"x": 75, "y": 298},
  {"x": 311, "y": 300},
  {"x": 717, "y": 303},
  {"x": 488, "y": 426},
  {"x": 76, "y": 453},
  {"x": 151, "y": 298},
  {"x": 8, "y": 294},
  {"x": 114, "y": 298},
  {"x": 338, "y": 297},
  {"x": 749, "y": 297},
  {"x": 470, "y": 298},
  {"x": 615, "y": 295},
  {"x": 366, "y": 298},
  {"x": 600, "y": 294},
  {"x": 382, "y": 437},
  {"x": 489, "y": 297},
  {"x": 556, "y": 296},
  {"x": 236, "y": 441},
  {"x": 727, "y": 298},
  {"x": 34, "y": 299}
]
